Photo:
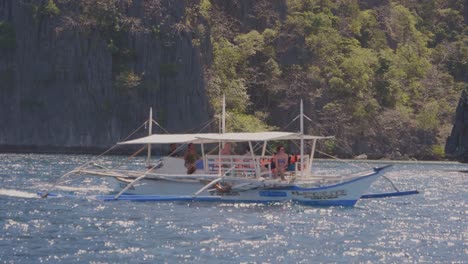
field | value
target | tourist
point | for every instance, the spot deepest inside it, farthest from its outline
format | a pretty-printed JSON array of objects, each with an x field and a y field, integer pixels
[
  {"x": 191, "y": 157},
  {"x": 173, "y": 152},
  {"x": 226, "y": 149},
  {"x": 281, "y": 162}
]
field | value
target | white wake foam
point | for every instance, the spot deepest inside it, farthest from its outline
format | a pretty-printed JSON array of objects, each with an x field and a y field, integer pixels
[
  {"x": 99, "y": 188},
  {"x": 16, "y": 193}
]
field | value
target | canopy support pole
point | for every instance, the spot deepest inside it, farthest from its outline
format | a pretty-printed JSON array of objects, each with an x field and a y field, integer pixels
[
  {"x": 302, "y": 138},
  {"x": 264, "y": 148},
  {"x": 219, "y": 159},
  {"x": 312, "y": 152},
  {"x": 150, "y": 131},
  {"x": 203, "y": 156},
  {"x": 252, "y": 154}
]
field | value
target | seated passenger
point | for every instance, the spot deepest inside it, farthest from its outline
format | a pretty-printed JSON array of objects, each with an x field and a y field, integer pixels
[
  {"x": 226, "y": 149},
  {"x": 173, "y": 152},
  {"x": 273, "y": 162},
  {"x": 191, "y": 157},
  {"x": 247, "y": 151},
  {"x": 248, "y": 161}
]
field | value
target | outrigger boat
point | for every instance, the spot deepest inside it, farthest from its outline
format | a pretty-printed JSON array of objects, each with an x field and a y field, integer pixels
[{"x": 233, "y": 178}]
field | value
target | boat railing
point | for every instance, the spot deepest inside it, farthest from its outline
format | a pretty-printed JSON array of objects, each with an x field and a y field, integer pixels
[
  {"x": 248, "y": 166},
  {"x": 242, "y": 165},
  {"x": 298, "y": 167}
]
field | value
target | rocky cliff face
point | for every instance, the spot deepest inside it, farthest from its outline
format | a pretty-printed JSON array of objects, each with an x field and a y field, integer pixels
[
  {"x": 457, "y": 143},
  {"x": 85, "y": 73}
]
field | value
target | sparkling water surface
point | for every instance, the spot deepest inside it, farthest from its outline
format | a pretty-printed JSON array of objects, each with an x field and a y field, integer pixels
[{"x": 429, "y": 227}]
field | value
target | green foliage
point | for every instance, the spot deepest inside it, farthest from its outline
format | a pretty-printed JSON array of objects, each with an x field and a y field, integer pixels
[
  {"x": 308, "y": 22},
  {"x": 200, "y": 33},
  {"x": 205, "y": 6},
  {"x": 51, "y": 9},
  {"x": 366, "y": 29},
  {"x": 428, "y": 117},
  {"x": 7, "y": 36},
  {"x": 358, "y": 69},
  {"x": 269, "y": 35},
  {"x": 272, "y": 68},
  {"x": 455, "y": 57},
  {"x": 242, "y": 122},
  {"x": 447, "y": 25},
  {"x": 127, "y": 80},
  {"x": 401, "y": 24},
  {"x": 112, "y": 47},
  {"x": 438, "y": 151},
  {"x": 226, "y": 80},
  {"x": 329, "y": 146},
  {"x": 387, "y": 74},
  {"x": 249, "y": 44}
]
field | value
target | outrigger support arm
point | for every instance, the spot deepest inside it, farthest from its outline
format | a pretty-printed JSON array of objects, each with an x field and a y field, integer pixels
[
  {"x": 207, "y": 186},
  {"x": 46, "y": 193},
  {"x": 135, "y": 181},
  {"x": 129, "y": 186},
  {"x": 213, "y": 182}
]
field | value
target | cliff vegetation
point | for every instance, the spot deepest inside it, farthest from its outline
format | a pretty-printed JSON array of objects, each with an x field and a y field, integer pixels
[{"x": 384, "y": 77}]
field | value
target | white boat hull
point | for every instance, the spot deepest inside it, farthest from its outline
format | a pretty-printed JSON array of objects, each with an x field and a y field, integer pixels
[{"x": 346, "y": 193}]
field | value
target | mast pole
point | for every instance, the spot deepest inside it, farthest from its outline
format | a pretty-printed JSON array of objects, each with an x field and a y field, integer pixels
[
  {"x": 223, "y": 127},
  {"x": 223, "y": 130},
  {"x": 150, "y": 131},
  {"x": 302, "y": 138}
]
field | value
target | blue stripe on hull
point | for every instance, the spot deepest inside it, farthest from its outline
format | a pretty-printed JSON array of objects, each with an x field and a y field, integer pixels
[
  {"x": 383, "y": 195},
  {"x": 328, "y": 202},
  {"x": 157, "y": 198},
  {"x": 167, "y": 198}
]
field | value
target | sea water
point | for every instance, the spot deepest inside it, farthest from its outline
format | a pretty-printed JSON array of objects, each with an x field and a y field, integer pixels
[{"x": 429, "y": 227}]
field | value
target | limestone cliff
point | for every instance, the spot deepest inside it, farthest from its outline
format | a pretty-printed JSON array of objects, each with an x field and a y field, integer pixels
[
  {"x": 457, "y": 143},
  {"x": 83, "y": 74}
]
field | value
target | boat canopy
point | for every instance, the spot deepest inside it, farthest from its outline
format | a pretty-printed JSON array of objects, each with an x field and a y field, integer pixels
[
  {"x": 170, "y": 138},
  {"x": 258, "y": 136},
  {"x": 216, "y": 137}
]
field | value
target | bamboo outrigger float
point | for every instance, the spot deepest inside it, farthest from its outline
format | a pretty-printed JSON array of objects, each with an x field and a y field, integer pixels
[{"x": 233, "y": 178}]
